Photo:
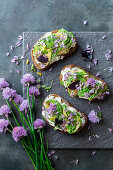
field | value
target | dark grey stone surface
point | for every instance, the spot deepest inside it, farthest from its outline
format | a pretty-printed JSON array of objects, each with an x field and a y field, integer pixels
[
  {"x": 80, "y": 140},
  {"x": 39, "y": 15}
]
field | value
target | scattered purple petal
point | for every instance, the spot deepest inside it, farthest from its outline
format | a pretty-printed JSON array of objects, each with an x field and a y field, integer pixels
[
  {"x": 28, "y": 47},
  {"x": 12, "y": 48},
  {"x": 111, "y": 69},
  {"x": 88, "y": 66},
  {"x": 15, "y": 60},
  {"x": 18, "y": 71},
  {"x": 18, "y": 44},
  {"x": 51, "y": 69},
  {"x": 110, "y": 130},
  {"x": 7, "y": 54},
  {"x": 85, "y": 22},
  {"x": 95, "y": 61},
  {"x": 104, "y": 37},
  {"x": 97, "y": 136},
  {"x": 20, "y": 37},
  {"x": 75, "y": 161},
  {"x": 98, "y": 74},
  {"x": 93, "y": 153},
  {"x": 99, "y": 108},
  {"x": 108, "y": 55},
  {"x": 90, "y": 138},
  {"x": 22, "y": 57}
]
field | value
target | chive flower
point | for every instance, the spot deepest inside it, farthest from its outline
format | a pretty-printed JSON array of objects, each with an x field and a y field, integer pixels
[
  {"x": 3, "y": 83},
  {"x": 39, "y": 124},
  {"x": 18, "y": 99},
  {"x": 9, "y": 93},
  {"x": 4, "y": 125},
  {"x": 5, "y": 110},
  {"x": 28, "y": 79},
  {"x": 34, "y": 90},
  {"x": 18, "y": 133},
  {"x": 24, "y": 106}
]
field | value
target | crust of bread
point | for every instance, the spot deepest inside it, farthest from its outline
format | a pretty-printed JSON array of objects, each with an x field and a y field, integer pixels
[
  {"x": 83, "y": 114},
  {"x": 72, "y": 65},
  {"x": 71, "y": 51}
]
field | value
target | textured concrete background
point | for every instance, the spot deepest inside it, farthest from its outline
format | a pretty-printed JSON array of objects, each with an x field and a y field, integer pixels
[{"x": 17, "y": 16}]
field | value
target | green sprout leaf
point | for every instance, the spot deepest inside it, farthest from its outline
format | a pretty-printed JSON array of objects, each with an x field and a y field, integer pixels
[{"x": 47, "y": 88}]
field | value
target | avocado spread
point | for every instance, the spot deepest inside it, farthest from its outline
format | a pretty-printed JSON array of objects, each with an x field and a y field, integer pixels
[
  {"x": 62, "y": 116},
  {"x": 78, "y": 82},
  {"x": 53, "y": 46}
]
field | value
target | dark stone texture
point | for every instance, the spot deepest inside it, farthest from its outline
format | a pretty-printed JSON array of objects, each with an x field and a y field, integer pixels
[
  {"x": 80, "y": 140},
  {"x": 39, "y": 15}
]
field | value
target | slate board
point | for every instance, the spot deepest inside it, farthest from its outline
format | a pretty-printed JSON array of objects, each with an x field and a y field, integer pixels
[{"x": 80, "y": 140}]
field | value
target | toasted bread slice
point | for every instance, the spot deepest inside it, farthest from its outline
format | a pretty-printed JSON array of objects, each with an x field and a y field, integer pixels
[
  {"x": 79, "y": 82},
  {"x": 61, "y": 115},
  {"x": 45, "y": 53}
]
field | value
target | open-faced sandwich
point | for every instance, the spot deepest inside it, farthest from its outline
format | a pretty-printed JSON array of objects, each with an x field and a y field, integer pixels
[
  {"x": 52, "y": 47},
  {"x": 62, "y": 115},
  {"x": 79, "y": 82}
]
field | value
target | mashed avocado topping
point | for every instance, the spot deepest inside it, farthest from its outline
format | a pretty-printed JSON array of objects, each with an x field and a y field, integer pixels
[
  {"x": 62, "y": 116},
  {"x": 53, "y": 46},
  {"x": 79, "y": 82}
]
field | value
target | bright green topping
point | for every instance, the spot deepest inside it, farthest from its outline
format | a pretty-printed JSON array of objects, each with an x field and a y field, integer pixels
[
  {"x": 83, "y": 84},
  {"x": 57, "y": 43},
  {"x": 62, "y": 117}
]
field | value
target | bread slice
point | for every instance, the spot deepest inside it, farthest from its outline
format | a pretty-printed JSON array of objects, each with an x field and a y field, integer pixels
[
  {"x": 61, "y": 115},
  {"x": 42, "y": 66},
  {"x": 85, "y": 85}
]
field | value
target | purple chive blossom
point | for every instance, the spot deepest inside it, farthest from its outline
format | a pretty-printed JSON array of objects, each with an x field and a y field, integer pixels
[
  {"x": 18, "y": 133},
  {"x": 18, "y": 71},
  {"x": 5, "y": 110},
  {"x": 93, "y": 153},
  {"x": 24, "y": 106},
  {"x": 34, "y": 90},
  {"x": 18, "y": 44},
  {"x": 7, "y": 54},
  {"x": 15, "y": 60},
  {"x": 3, "y": 125},
  {"x": 11, "y": 48},
  {"x": 111, "y": 69},
  {"x": 97, "y": 74},
  {"x": 108, "y": 55},
  {"x": 91, "y": 82},
  {"x": 9, "y": 93},
  {"x": 20, "y": 37},
  {"x": 93, "y": 117},
  {"x": 39, "y": 124},
  {"x": 18, "y": 99},
  {"x": 95, "y": 61},
  {"x": 85, "y": 22},
  {"x": 104, "y": 37},
  {"x": 3, "y": 83},
  {"x": 52, "y": 108},
  {"x": 28, "y": 79},
  {"x": 99, "y": 108},
  {"x": 87, "y": 95}
]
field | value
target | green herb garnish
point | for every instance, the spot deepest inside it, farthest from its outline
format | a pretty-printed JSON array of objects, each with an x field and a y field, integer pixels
[{"x": 47, "y": 88}]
